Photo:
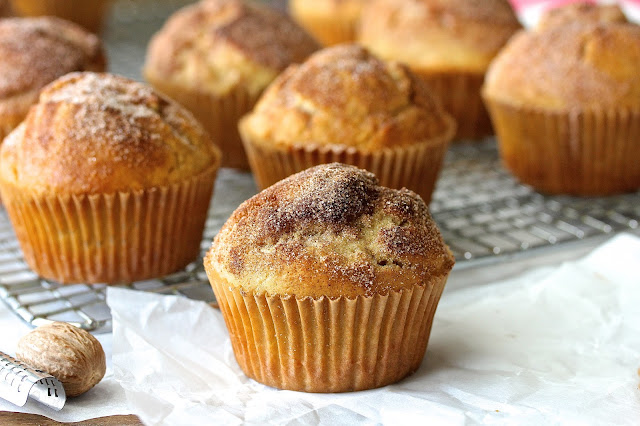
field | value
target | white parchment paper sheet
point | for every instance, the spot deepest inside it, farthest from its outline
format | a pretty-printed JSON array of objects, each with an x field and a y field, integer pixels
[{"x": 556, "y": 345}]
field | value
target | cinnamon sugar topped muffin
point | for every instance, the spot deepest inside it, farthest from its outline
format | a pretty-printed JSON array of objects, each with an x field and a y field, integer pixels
[
  {"x": 104, "y": 134},
  {"x": 34, "y": 52},
  {"x": 330, "y": 231},
  {"x": 566, "y": 105},
  {"x": 438, "y": 35},
  {"x": 329, "y": 282},
  {"x": 346, "y": 105},
  {"x": 448, "y": 43},
  {"x": 582, "y": 13},
  {"x": 221, "y": 44},
  {"x": 217, "y": 56},
  {"x": 346, "y": 96},
  {"x": 569, "y": 67},
  {"x": 107, "y": 181}
]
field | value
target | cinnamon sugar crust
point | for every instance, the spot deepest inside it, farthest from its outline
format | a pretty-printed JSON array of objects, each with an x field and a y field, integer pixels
[
  {"x": 346, "y": 96},
  {"x": 582, "y": 13},
  {"x": 215, "y": 45},
  {"x": 438, "y": 35},
  {"x": 100, "y": 133},
  {"x": 575, "y": 66},
  {"x": 36, "y": 51},
  {"x": 329, "y": 231}
]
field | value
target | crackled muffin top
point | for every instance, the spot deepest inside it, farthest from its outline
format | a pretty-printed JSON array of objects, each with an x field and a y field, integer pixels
[
  {"x": 36, "y": 51},
  {"x": 346, "y": 96},
  {"x": 101, "y": 133},
  {"x": 438, "y": 35},
  {"x": 575, "y": 66},
  {"x": 217, "y": 45},
  {"x": 329, "y": 231}
]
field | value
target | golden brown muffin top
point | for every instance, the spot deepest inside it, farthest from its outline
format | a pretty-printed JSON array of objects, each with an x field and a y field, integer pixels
[
  {"x": 99, "y": 133},
  {"x": 584, "y": 13},
  {"x": 216, "y": 45},
  {"x": 329, "y": 231},
  {"x": 36, "y": 51},
  {"x": 345, "y": 96},
  {"x": 438, "y": 35},
  {"x": 577, "y": 66}
]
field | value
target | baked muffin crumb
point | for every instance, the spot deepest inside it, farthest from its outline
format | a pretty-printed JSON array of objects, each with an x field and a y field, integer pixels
[{"x": 101, "y": 133}]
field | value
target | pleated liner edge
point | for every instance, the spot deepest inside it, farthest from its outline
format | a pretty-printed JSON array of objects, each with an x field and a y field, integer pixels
[
  {"x": 329, "y": 345},
  {"x": 582, "y": 152},
  {"x": 111, "y": 238}
]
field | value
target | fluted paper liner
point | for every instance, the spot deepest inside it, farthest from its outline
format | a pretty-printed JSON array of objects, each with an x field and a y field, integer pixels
[
  {"x": 415, "y": 166},
  {"x": 111, "y": 238},
  {"x": 218, "y": 114},
  {"x": 460, "y": 95},
  {"x": 329, "y": 345},
  {"x": 588, "y": 152}
]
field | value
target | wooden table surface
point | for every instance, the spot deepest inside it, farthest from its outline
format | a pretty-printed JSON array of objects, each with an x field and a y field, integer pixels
[{"x": 12, "y": 418}]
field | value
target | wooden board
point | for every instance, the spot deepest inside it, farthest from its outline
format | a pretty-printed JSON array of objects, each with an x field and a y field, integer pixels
[{"x": 24, "y": 419}]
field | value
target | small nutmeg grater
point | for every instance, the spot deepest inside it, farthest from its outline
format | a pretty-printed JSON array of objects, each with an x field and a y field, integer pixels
[{"x": 19, "y": 382}]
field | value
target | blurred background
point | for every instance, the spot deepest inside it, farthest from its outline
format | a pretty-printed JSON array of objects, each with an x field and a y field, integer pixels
[
  {"x": 129, "y": 24},
  {"x": 126, "y": 29}
]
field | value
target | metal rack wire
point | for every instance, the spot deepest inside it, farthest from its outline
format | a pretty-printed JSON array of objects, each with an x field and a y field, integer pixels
[{"x": 484, "y": 214}]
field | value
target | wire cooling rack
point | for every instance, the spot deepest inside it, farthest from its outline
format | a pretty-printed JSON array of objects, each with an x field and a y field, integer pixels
[{"x": 485, "y": 215}]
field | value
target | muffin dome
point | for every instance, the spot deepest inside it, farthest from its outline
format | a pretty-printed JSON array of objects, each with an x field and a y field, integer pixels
[
  {"x": 216, "y": 57},
  {"x": 328, "y": 282},
  {"x": 580, "y": 13},
  {"x": 579, "y": 66},
  {"x": 100, "y": 133},
  {"x": 346, "y": 96},
  {"x": 330, "y": 231},
  {"x": 216, "y": 45},
  {"x": 36, "y": 51},
  {"x": 107, "y": 182},
  {"x": 441, "y": 35},
  {"x": 447, "y": 43}
]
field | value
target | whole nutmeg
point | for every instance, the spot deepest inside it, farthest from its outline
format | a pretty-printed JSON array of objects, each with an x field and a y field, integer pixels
[{"x": 68, "y": 353}]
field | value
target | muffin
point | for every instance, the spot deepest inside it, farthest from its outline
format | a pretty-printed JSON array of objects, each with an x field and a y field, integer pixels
[
  {"x": 584, "y": 13},
  {"x": 565, "y": 103},
  {"x": 88, "y": 13},
  {"x": 107, "y": 181},
  {"x": 329, "y": 282},
  {"x": 216, "y": 57},
  {"x": 34, "y": 52},
  {"x": 345, "y": 105},
  {"x": 330, "y": 21},
  {"x": 449, "y": 43}
]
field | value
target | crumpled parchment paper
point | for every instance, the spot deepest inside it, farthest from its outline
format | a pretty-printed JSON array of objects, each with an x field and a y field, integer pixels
[{"x": 556, "y": 345}]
